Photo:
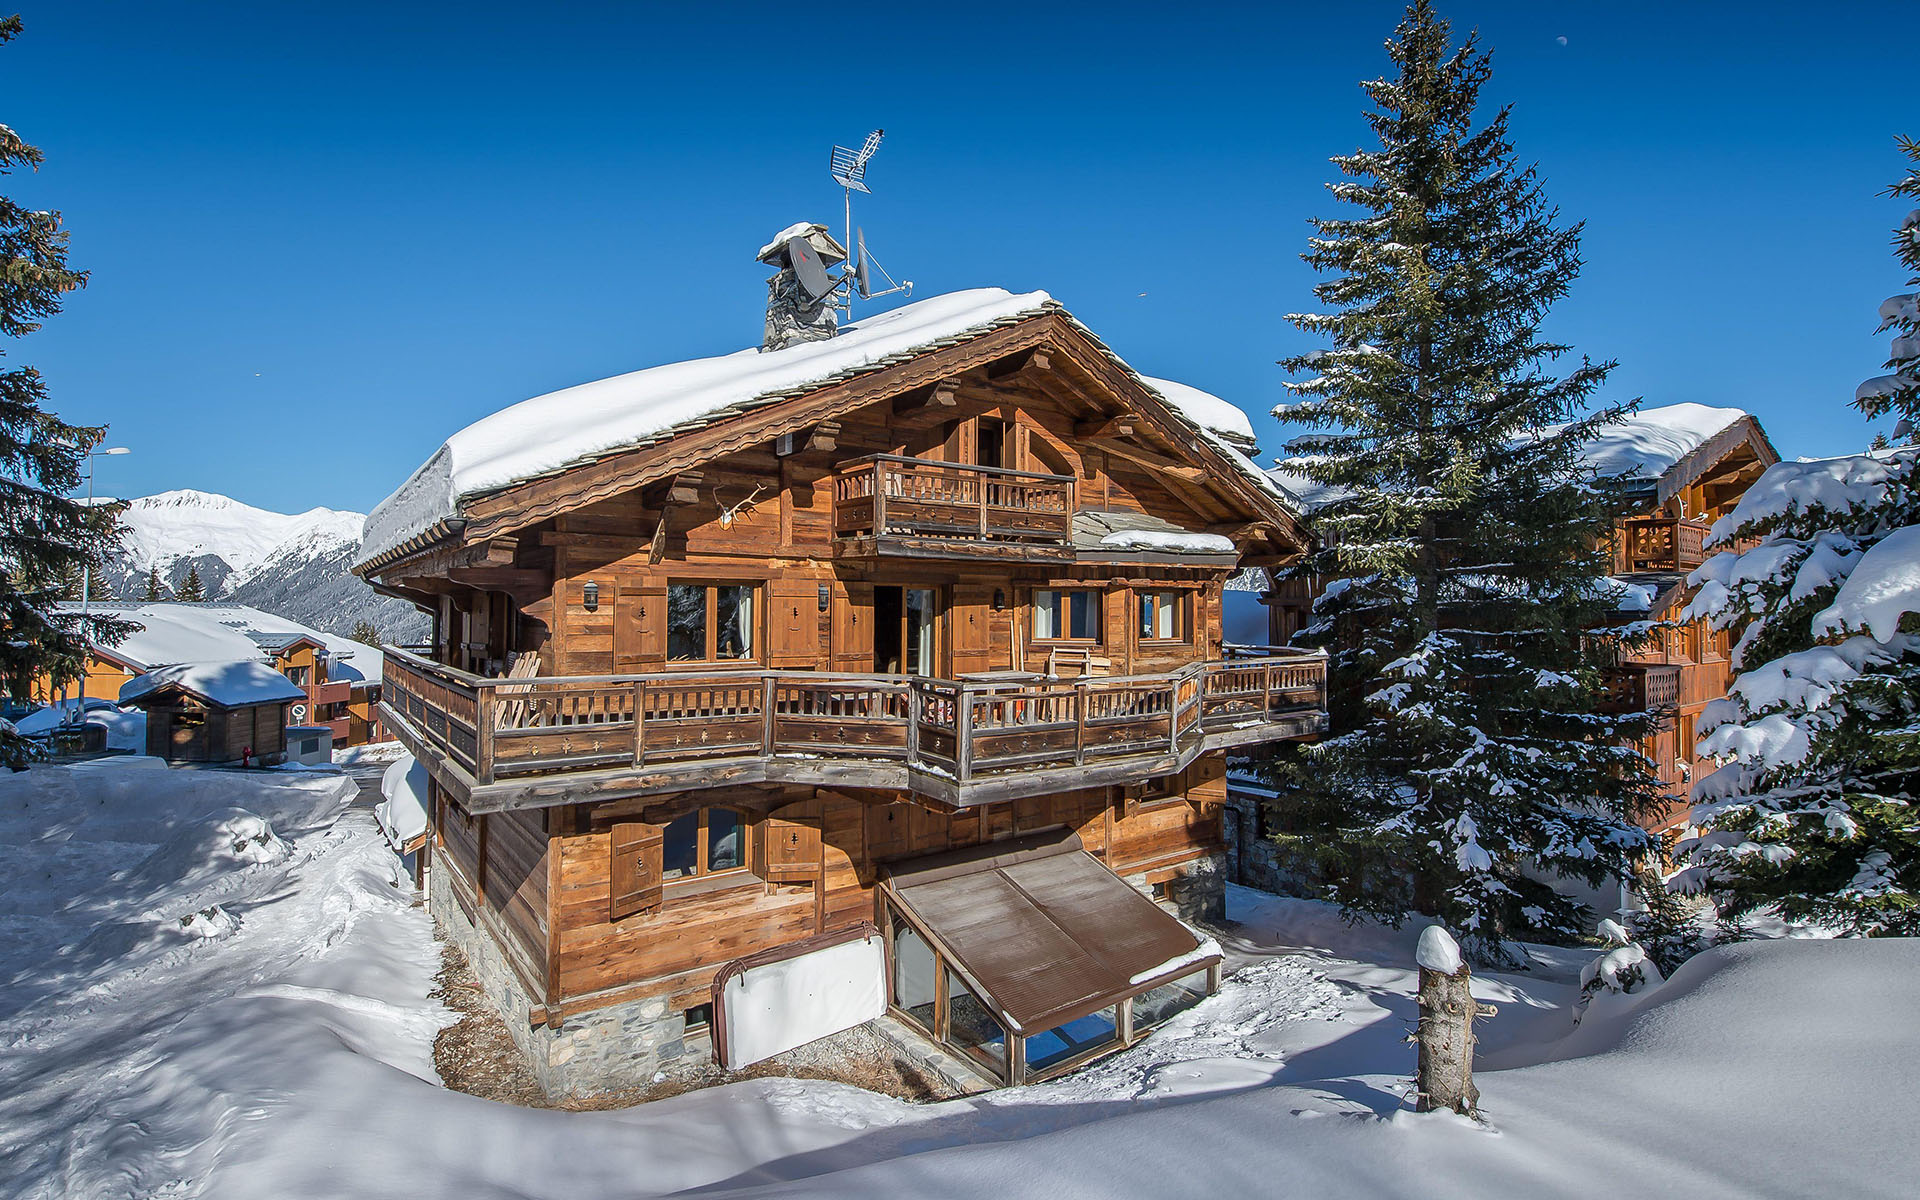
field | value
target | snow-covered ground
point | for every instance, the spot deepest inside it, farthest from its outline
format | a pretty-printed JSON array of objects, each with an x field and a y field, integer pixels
[{"x": 214, "y": 984}]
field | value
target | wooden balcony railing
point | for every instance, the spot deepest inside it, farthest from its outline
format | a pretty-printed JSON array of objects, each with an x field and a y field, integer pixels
[
  {"x": 500, "y": 729},
  {"x": 1661, "y": 544},
  {"x": 1642, "y": 687},
  {"x": 890, "y": 496}
]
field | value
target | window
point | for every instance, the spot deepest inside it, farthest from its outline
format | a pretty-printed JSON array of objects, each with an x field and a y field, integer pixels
[
  {"x": 1169, "y": 999},
  {"x": 913, "y": 970},
  {"x": 709, "y": 622},
  {"x": 1075, "y": 1038},
  {"x": 1160, "y": 617},
  {"x": 1066, "y": 616},
  {"x": 300, "y": 675},
  {"x": 698, "y": 1019},
  {"x": 705, "y": 842}
]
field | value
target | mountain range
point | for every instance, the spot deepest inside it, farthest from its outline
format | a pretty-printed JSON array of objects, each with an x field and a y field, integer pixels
[{"x": 297, "y": 565}]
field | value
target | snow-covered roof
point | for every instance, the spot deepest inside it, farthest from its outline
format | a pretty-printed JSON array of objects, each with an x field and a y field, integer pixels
[
  {"x": 1203, "y": 408},
  {"x": 576, "y": 425},
  {"x": 173, "y": 632},
  {"x": 230, "y": 684},
  {"x": 1652, "y": 441},
  {"x": 1643, "y": 447}
]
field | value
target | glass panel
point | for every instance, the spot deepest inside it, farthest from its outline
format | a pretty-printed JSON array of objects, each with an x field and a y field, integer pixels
[
  {"x": 1151, "y": 1008},
  {"x": 733, "y": 627},
  {"x": 913, "y": 982},
  {"x": 920, "y": 631},
  {"x": 973, "y": 1029},
  {"x": 1073, "y": 1039},
  {"x": 680, "y": 848},
  {"x": 726, "y": 837},
  {"x": 687, "y": 621},
  {"x": 1046, "y": 614},
  {"x": 1084, "y": 618}
]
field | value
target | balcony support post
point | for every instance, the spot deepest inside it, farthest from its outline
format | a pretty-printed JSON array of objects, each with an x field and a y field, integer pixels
[
  {"x": 766, "y": 716},
  {"x": 639, "y": 722},
  {"x": 1079, "y": 722},
  {"x": 483, "y": 712},
  {"x": 963, "y": 733}
]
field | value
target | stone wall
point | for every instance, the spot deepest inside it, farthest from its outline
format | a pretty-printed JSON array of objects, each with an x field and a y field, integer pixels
[
  {"x": 1197, "y": 894},
  {"x": 610, "y": 1049}
]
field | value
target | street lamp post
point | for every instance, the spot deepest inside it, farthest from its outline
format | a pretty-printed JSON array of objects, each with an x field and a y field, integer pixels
[{"x": 86, "y": 576}]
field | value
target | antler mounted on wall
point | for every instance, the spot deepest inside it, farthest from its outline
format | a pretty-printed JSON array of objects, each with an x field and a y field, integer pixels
[{"x": 728, "y": 512}]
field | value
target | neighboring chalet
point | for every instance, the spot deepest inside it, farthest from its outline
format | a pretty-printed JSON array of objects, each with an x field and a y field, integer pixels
[
  {"x": 1684, "y": 466},
  {"x": 212, "y": 712},
  {"x": 916, "y": 626},
  {"x": 340, "y": 677}
]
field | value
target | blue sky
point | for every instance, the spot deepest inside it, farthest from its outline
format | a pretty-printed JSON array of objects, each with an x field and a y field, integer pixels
[{"x": 323, "y": 237}]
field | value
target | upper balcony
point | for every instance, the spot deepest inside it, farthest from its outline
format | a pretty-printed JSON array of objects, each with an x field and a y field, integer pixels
[
  {"x": 1641, "y": 687},
  {"x": 1665, "y": 544},
  {"x": 511, "y": 743},
  {"x": 889, "y": 506}
]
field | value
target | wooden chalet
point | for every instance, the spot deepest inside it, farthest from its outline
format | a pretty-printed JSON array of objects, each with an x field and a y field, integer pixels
[
  {"x": 215, "y": 712},
  {"x": 912, "y": 632}
]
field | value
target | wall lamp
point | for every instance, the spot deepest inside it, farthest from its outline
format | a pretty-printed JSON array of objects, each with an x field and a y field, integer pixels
[{"x": 590, "y": 594}]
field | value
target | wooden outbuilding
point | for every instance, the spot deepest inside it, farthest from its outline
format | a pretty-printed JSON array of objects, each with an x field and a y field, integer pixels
[{"x": 215, "y": 712}]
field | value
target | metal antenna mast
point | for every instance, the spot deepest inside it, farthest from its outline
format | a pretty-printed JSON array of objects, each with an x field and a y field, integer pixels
[{"x": 849, "y": 170}]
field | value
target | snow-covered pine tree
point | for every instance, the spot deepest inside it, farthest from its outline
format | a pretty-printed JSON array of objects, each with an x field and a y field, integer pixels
[
  {"x": 191, "y": 589},
  {"x": 153, "y": 584},
  {"x": 1813, "y": 811},
  {"x": 46, "y": 537},
  {"x": 1469, "y": 750}
]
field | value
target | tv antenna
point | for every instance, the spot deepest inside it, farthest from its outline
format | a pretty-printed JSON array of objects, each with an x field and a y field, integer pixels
[{"x": 849, "y": 170}]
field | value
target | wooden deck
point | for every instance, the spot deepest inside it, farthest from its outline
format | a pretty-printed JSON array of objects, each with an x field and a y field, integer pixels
[
  {"x": 501, "y": 743},
  {"x": 886, "y": 505}
]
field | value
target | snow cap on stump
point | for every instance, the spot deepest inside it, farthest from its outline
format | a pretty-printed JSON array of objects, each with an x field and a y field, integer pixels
[{"x": 1438, "y": 951}]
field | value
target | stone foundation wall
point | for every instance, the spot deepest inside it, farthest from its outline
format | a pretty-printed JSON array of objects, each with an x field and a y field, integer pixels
[
  {"x": 1198, "y": 893},
  {"x": 609, "y": 1049}
]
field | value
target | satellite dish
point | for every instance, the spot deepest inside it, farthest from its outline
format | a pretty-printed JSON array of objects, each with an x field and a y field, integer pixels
[
  {"x": 807, "y": 265},
  {"x": 861, "y": 279}
]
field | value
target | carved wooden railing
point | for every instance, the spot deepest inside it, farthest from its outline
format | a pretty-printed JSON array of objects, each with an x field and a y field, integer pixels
[
  {"x": 1661, "y": 544},
  {"x": 888, "y": 494},
  {"x": 1642, "y": 687},
  {"x": 499, "y": 728}
]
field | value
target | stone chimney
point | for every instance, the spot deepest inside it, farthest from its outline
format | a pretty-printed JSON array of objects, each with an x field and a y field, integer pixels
[{"x": 795, "y": 315}]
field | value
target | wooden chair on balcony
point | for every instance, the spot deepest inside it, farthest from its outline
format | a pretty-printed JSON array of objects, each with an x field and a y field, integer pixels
[
  {"x": 514, "y": 712},
  {"x": 1085, "y": 661}
]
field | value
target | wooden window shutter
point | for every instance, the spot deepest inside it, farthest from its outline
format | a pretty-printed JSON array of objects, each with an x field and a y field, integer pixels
[
  {"x": 853, "y": 627},
  {"x": 795, "y": 623},
  {"x": 635, "y": 869},
  {"x": 791, "y": 850},
  {"x": 640, "y": 629}
]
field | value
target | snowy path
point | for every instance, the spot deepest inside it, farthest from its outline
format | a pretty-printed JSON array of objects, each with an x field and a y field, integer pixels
[{"x": 287, "y": 1053}]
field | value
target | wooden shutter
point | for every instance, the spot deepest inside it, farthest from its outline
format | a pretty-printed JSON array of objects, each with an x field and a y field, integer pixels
[
  {"x": 970, "y": 621},
  {"x": 635, "y": 868},
  {"x": 640, "y": 629},
  {"x": 853, "y": 627},
  {"x": 791, "y": 850},
  {"x": 795, "y": 623}
]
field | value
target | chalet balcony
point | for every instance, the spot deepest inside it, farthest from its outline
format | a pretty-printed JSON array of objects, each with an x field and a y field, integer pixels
[
  {"x": 889, "y": 506},
  {"x": 513, "y": 743},
  {"x": 1641, "y": 687},
  {"x": 1661, "y": 544}
]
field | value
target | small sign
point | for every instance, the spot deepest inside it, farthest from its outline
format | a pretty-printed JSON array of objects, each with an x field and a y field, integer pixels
[{"x": 299, "y": 712}]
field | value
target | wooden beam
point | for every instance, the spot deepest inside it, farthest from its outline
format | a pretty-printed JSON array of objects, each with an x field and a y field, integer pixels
[
  {"x": 825, "y": 436},
  {"x": 1120, "y": 425},
  {"x": 1152, "y": 461},
  {"x": 943, "y": 395}
]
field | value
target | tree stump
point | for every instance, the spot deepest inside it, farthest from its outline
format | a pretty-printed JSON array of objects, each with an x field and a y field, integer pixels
[{"x": 1445, "y": 1032}]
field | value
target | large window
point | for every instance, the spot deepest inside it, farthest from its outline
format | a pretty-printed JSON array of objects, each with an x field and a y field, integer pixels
[
  {"x": 913, "y": 973},
  {"x": 1066, "y": 616},
  {"x": 709, "y": 622},
  {"x": 1075, "y": 1038},
  {"x": 1161, "y": 617},
  {"x": 707, "y": 842}
]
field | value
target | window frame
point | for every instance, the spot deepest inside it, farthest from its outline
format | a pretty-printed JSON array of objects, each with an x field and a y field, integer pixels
[
  {"x": 756, "y": 644},
  {"x": 1095, "y": 597},
  {"x": 702, "y": 846},
  {"x": 1162, "y": 599}
]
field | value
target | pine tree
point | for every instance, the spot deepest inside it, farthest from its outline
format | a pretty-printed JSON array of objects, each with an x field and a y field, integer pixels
[
  {"x": 153, "y": 584},
  {"x": 1470, "y": 539},
  {"x": 191, "y": 589},
  {"x": 365, "y": 632},
  {"x": 1815, "y": 811},
  {"x": 46, "y": 537}
]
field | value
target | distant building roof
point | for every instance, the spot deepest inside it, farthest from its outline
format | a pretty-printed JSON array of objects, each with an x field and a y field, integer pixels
[
  {"x": 175, "y": 631},
  {"x": 226, "y": 684}
]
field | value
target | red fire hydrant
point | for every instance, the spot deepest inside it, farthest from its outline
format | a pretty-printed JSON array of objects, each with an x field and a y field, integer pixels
[{"x": 246, "y": 758}]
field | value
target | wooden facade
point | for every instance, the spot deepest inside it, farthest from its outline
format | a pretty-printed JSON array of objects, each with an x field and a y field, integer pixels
[
  {"x": 183, "y": 727},
  {"x": 683, "y": 704}
]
